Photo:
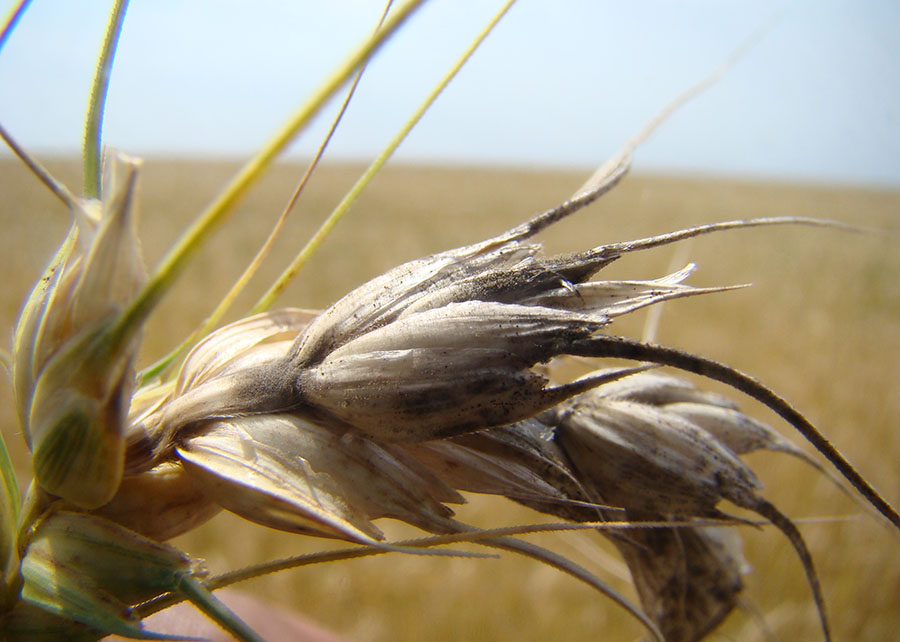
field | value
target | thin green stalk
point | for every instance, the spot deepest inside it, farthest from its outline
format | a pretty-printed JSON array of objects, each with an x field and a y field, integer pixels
[
  {"x": 12, "y": 19},
  {"x": 313, "y": 244},
  {"x": 214, "y": 215},
  {"x": 203, "y": 599},
  {"x": 93, "y": 125}
]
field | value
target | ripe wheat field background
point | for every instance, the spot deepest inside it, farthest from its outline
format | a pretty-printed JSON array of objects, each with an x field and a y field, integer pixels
[{"x": 821, "y": 326}]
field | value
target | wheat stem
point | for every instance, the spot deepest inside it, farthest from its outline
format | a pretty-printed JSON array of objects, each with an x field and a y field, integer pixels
[{"x": 93, "y": 126}]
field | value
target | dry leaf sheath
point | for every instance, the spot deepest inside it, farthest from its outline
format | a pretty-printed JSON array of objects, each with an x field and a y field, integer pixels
[{"x": 428, "y": 381}]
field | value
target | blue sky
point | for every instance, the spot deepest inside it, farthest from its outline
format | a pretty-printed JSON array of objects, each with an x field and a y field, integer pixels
[{"x": 559, "y": 84}]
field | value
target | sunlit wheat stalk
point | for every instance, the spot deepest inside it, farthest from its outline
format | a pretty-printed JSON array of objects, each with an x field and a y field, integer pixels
[{"x": 423, "y": 382}]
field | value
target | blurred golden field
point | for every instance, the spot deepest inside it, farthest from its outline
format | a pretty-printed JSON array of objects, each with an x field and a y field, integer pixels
[{"x": 821, "y": 326}]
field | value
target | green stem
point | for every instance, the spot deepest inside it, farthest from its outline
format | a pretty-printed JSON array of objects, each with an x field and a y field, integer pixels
[
  {"x": 94, "y": 123},
  {"x": 214, "y": 607}
]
